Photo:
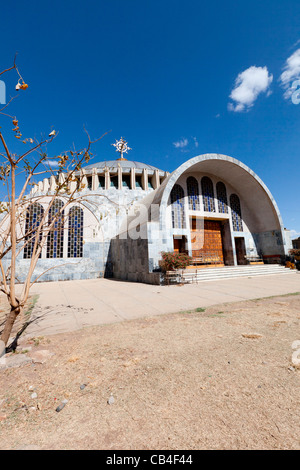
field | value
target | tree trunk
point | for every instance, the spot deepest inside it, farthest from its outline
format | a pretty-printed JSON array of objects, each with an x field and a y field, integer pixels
[{"x": 9, "y": 323}]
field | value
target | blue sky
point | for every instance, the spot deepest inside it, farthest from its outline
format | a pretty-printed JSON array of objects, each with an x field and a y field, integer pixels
[{"x": 175, "y": 78}]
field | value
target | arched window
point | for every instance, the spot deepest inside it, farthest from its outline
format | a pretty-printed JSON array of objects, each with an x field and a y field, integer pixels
[
  {"x": 222, "y": 198},
  {"x": 55, "y": 242},
  {"x": 34, "y": 214},
  {"x": 75, "y": 232},
  {"x": 236, "y": 213},
  {"x": 208, "y": 194},
  {"x": 177, "y": 201},
  {"x": 193, "y": 193}
]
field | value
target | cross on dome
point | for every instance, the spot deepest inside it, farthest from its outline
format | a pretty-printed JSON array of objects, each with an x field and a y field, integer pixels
[{"x": 121, "y": 147}]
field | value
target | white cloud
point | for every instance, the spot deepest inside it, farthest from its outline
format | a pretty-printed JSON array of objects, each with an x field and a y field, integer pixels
[
  {"x": 291, "y": 72},
  {"x": 181, "y": 143},
  {"x": 51, "y": 163},
  {"x": 248, "y": 85},
  {"x": 294, "y": 234},
  {"x": 196, "y": 142}
]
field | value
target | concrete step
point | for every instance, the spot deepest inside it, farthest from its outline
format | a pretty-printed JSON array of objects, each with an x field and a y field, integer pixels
[
  {"x": 228, "y": 269},
  {"x": 247, "y": 266},
  {"x": 234, "y": 271},
  {"x": 223, "y": 276},
  {"x": 253, "y": 273}
]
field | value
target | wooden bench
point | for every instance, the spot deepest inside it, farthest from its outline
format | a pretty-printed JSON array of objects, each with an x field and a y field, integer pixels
[
  {"x": 183, "y": 277},
  {"x": 254, "y": 259},
  {"x": 189, "y": 277},
  {"x": 173, "y": 277},
  {"x": 197, "y": 261},
  {"x": 206, "y": 260}
]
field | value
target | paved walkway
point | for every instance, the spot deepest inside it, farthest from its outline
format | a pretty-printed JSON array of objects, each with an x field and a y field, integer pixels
[{"x": 71, "y": 305}]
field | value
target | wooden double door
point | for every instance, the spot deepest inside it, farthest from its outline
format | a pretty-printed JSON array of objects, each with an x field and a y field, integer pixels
[{"x": 207, "y": 245}]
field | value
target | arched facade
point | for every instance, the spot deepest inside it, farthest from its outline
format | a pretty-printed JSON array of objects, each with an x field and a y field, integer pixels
[{"x": 235, "y": 207}]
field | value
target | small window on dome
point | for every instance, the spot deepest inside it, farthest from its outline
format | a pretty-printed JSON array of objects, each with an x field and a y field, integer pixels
[
  {"x": 138, "y": 182},
  {"x": 150, "y": 185},
  {"x": 126, "y": 181},
  {"x": 101, "y": 182},
  {"x": 114, "y": 182},
  {"x": 89, "y": 182}
]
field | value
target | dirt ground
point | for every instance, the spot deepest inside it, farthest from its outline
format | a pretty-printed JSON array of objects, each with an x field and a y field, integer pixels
[{"x": 222, "y": 378}]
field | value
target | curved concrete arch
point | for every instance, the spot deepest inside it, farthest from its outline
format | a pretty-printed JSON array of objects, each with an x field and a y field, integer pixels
[{"x": 247, "y": 184}]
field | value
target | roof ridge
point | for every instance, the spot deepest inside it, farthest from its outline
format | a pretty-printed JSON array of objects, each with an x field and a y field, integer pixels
[{"x": 122, "y": 163}]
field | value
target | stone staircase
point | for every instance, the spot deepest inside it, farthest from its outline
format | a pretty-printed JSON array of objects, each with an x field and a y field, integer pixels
[{"x": 226, "y": 272}]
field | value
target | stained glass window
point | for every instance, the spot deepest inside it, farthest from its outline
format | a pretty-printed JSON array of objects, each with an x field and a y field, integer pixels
[
  {"x": 208, "y": 194},
  {"x": 236, "y": 213},
  {"x": 55, "y": 242},
  {"x": 75, "y": 232},
  {"x": 177, "y": 201},
  {"x": 222, "y": 198},
  {"x": 34, "y": 215},
  {"x": 193, "y": 193}
]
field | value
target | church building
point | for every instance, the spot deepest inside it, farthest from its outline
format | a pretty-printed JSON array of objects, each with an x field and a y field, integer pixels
[{"x": 213, "y": 207}]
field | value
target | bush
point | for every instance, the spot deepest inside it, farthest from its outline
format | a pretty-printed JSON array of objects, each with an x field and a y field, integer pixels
[
  {"x": 295, "y": 252},
  {"x": 172, "y": 261}
]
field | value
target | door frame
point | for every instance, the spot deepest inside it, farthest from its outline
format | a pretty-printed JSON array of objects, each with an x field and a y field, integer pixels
[{"x": 240, "y": 251}]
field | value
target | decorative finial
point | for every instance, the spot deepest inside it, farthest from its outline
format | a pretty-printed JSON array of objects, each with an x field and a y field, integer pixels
[{"x": 121, "y": 147}]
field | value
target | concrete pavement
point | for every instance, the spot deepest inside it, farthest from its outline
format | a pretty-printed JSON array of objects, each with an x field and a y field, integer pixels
[{"x": 70, "y": 305}]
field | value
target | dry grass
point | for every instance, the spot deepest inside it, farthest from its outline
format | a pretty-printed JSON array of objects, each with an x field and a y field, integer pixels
[{"x": 214, "y": 379}]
